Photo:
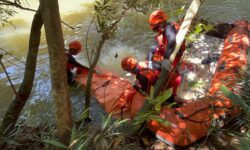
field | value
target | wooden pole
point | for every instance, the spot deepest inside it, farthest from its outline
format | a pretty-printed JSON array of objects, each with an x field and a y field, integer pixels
[{"x": 190, "y": 14}]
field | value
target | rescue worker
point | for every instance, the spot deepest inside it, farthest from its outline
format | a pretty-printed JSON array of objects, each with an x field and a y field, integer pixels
[
  {"x": 75, "y": 47},
  {"x": 165, "y": 40},
  {"x": 164, "y": 47},
  {"x": 145, "y": 76}
]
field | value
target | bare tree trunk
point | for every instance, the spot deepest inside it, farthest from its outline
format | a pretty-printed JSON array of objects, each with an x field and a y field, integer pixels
[
  {"x": 54, "y": 36},
  {"x": 91, "y": 71},
  {"x": 25, "y": 88},
  {"x": 104, "y": 37}
]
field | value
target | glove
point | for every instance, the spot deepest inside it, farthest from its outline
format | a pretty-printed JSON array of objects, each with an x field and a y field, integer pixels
[
  {"x": 150, "y": 65},
  {"x": 167, "y": 65}
]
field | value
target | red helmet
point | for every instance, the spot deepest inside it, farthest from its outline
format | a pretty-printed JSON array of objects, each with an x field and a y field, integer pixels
[
  {"x": 156, "y": 17},
  {"x": 128, "y": 63},
  {"x": 75, "y": 45}
]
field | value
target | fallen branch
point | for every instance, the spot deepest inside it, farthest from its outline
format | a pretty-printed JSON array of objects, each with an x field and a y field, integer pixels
[
  {"x": 15, "y": 4},
  {"x": 8, "y": 77},
  {"x": 12, "y": 55}
]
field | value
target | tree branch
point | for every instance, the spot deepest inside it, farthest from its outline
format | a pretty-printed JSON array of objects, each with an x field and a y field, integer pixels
[
  {"x": 17, "y": 4},
  {"x": 86, "y": 45}
]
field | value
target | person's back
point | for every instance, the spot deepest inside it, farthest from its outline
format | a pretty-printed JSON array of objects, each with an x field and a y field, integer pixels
[
  {"x": 75, "y": 47},
  {"x": 145, "y": 76}
]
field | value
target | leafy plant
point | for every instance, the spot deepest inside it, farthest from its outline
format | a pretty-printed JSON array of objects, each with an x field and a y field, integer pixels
[
  {"x": 105, "y": 12},
  {"x": 236, "y": 99},
  {"x": 178, "y": 14},
  {"x": 197, "y": 30},
  {"x": 90, "y": 136},
  {"x": 108, "y": 134},
  {"x": 156, "y": 104},
  {"x": 55, "y": 143},
  {"x": 5, "y": 14}
]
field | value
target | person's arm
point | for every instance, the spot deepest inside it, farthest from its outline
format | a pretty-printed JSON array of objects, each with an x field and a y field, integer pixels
[
  {"x": 150, "y": 56},
  {"x": 151, "y": 53},
  {"x": 72, "y": 61},
  {"x": 141, "y": 83},
  {"x": 171, "y": 37}
]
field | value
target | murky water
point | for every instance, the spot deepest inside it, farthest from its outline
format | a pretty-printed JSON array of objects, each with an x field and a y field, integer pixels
[
  {"x": 132, "y": 39},
  {"x": 225, "y": 10}
]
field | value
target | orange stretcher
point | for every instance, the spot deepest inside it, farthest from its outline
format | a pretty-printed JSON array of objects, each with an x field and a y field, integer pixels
[{"x": 192, "y": 121}]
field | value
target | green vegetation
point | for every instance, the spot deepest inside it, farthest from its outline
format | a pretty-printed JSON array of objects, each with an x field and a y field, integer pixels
[{"x": 112, "y": 133}]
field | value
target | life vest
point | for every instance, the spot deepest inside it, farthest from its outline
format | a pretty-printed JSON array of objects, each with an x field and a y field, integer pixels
[{"x": 162, "y": 45}]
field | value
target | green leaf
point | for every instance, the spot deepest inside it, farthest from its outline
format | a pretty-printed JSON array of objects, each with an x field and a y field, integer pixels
[
  {"x": 244, "y": 144},
  {"x": 98, "y": 3},
  {"x": 157, "y": 107},
  {"x": 55, "y": 143},
  {"x": 166, "y": 95},
  {"x": 229, "y": 94},
  {"x": 159, "y": 119},
  {"x": 141, "y": 118},
  {"x": 158, "y": 101},
  {"x": 182, "y": 8},
  {"x": 235, "y": 98},
  {"x": 82, "y": 146},
  {"x": 105, "y": 2},
  {"x": 107, "y": 121},
  {"x": 209, "y": 27},
  {"x": 84, "y": 115},
  {"x": 248, "y": 133},
  {"x": 97, "y": 138},
  {"x": 192, "y": 37},
  {"x": 73, "y": 134},
  {"x": 152, "y": 90},
  {"x": 120, "y": 122},
  {"x": 198, "y": 28}
]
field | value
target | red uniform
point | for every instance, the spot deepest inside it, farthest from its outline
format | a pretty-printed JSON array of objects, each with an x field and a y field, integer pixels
[{"x": 146, "y": 77}]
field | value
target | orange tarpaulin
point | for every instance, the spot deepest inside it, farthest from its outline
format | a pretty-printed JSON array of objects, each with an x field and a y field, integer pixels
[
  {"x": 115, "y": 94},
  {"x": 191, "y": 121}
]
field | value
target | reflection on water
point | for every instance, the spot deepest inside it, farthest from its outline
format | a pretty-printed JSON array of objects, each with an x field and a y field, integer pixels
[
  {"x": 225, "y": 10},
  {"x": 132, "y": 39}
]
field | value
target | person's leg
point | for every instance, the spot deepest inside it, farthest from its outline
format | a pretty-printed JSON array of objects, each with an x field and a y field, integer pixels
[
  {"x": 175, "y": 82},
  {"x": 69, "y": 77}
]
